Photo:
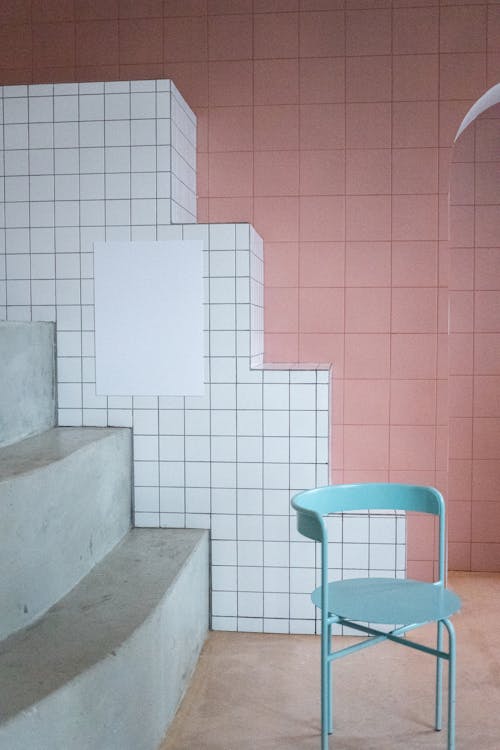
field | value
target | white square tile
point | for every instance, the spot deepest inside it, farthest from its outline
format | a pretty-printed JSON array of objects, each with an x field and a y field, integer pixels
[
  {"x": 172, "y": 500},
  {"x": 224, "y": 552},
  {"x": 223, "y": 474},
  {"x": 172, "y": 474},
  {"x": 223, "y": 422},
  {"x": 91, "y": 106},
  {"x": 66, "y": 108}
]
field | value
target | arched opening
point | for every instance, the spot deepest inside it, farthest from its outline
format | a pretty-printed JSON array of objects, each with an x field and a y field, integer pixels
[{"x": 474, "y": 339}]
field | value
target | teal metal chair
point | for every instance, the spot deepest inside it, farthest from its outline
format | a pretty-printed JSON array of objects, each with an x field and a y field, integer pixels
[{"x": 361, "y": 603}]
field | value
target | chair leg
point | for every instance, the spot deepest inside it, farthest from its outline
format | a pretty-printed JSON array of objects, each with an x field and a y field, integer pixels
[
  {"x": 451, "y": 684},
  {"x": 325, "y": 687},
  {"x": 329, "y": 684},
  {"x": 439, "y": 679}
]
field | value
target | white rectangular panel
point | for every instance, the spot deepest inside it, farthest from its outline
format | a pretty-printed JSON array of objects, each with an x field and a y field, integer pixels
[{"x": 149, "y": 318}]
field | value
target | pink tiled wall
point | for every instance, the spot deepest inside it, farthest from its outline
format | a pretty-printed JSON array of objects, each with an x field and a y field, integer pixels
[
  {"x": 328, "y": 124},
  {"x": 474, "y": 381}
]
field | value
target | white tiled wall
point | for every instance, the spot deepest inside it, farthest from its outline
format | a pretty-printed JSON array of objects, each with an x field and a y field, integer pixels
[{"x": 87, "y": 162}]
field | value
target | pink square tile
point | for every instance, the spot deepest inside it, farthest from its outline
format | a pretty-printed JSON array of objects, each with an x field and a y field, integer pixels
[
  {"x": 451, "y": 114},
  {"x": 460, "y": 437},
  {"x": 277, "y": 219},
  {"x": 414, "y": 310},
  {"x": 192, "y": 80},
  {"x": 368, "y": 32},
  {"x": 413, "y": 402},
  {"x": 16, "y": 12},
  {"x": 230, "y": 37},
  {"x": 415, "y": 77},
  {"x": 368, "y": 171},
  {"x": 15, "y": 44},
  {"x": 276, "y": 35},
  {"x": 276, "y": 127},
  {"x": 58, "y": 10},
  {"x": 280, "y": 310},
  {"x": 322, "y": 126},
  {"x": 415, "y": 30},
  {"x": 462, "y": 76},
  {"x": 493, "y": 69},
  {"x": 140, "y": 41},
  {"x": 413, "y": 355},
  {"x": 85, "y": 9},
  {"x": 459, "y": 556},
  {"x": 366, "y": 447},
  {"x": 414, "y": 263},
  {"x": 220, "y": 7},
  {"x": 461, "y": 312},
  {"x": 487, "y": 311},
  {"x": 230, "y": 129},
  {"x": 230, "y": 83},
  {"x": 414, "y": 217},
  {"x": 321, "y": 80},
  {"x": 202, "y": 175},
  {"x": 367, "y": 476},
  {"x": 485, "y": 522},
  {"x": 461, "y": 226},
  {"x": 95, "y": 43},
  {"x": 281, "y": 347},
  {"x": 462, "y": 269},
  {"x": 487, "y": 267},
  {"x": 368, "y": 218},
  {"x": 493, "y": 25},
  {"x": 281, "y": 267},
  {"x": 230, "y": 174},
  {"x": 368, "y": 125},
  {"x": 485, "y": 557},
  {"x": 278, "y": 6},
  {"x": 202, "y": 129},
  {"x": 367, "y": 310},
  {"x": 460, "y": 353},
  {"x": 185, "y": 39},
  {"x": 459, "y": 522},
  {"x": 487, "y": 140},
  {"x": 321, "y": 310},
  {"x": 487, "y": 396},
  {"x": 421, "y": 540},
  {"x": 322, "y": 264},
  {"x": 366, "y": 402},
  {"x": 202, "y": 210},
  {"x": 323, "y": 347},
  {"x": 460, "y": 389},
  {"x": 276, "y": 173},
  {"x": 413, "y": 447},
  {"x": 230, "y": 210},
  {"x": 368, "y": 264},
  {"x": 462, "y": 184},
  {"x": 367, "y": 355},
  {"x": 420, "y": 570},
  {"x": 444, "y": 158},
  {"x": 487, "y": 354},
  {"x": 415, "y": 170},
  {"x": 276, "y": 81},
  {"x": 148, "y": 9},
  {"x": 487, "y": 182},
  {"x": 322, "y": 219},
  {"x": 322, "y": 172},
  {"x": 321, "y": 34},
  {"x": 185, "y": 7},
  {"x": 463, "y": 29},
  {"x": 368, "y": 78},
  {"x": 464, "y": 147},
  {"x": 415, "y": 124},
  {"x": 460, "y": 480},
  {"x": 485, "y": 480},
  {"x": 487, "y": 225}
]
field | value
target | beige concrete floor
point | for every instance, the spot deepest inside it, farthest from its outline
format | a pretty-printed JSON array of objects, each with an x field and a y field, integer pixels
[{"x": 253, "y": 691}]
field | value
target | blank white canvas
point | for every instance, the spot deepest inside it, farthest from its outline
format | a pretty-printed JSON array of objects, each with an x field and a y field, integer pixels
[{"x": 149, "y": 318}]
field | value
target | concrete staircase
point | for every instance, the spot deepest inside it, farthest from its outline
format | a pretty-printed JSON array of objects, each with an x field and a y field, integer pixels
[{"x": 101, "y": 624}]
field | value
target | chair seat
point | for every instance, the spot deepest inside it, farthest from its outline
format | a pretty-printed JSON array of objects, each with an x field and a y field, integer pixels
[{"x": 388, "y": 600}]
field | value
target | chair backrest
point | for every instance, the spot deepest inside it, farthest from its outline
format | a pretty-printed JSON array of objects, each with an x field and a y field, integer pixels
[{"x": 312, "y": 505}]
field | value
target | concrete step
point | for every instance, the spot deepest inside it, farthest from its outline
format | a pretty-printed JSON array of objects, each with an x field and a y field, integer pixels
[
  {"x": 105, "y": 668},
  {"x": 27, "y": 393},
  {"x": 65, "y": 501}
]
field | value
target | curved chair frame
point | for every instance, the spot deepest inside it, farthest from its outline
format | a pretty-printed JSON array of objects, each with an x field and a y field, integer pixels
[{"x": 311, "y": 507}]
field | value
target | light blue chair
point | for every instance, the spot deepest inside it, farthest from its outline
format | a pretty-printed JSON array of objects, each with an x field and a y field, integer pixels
[{"x": 376, "y": 601}]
